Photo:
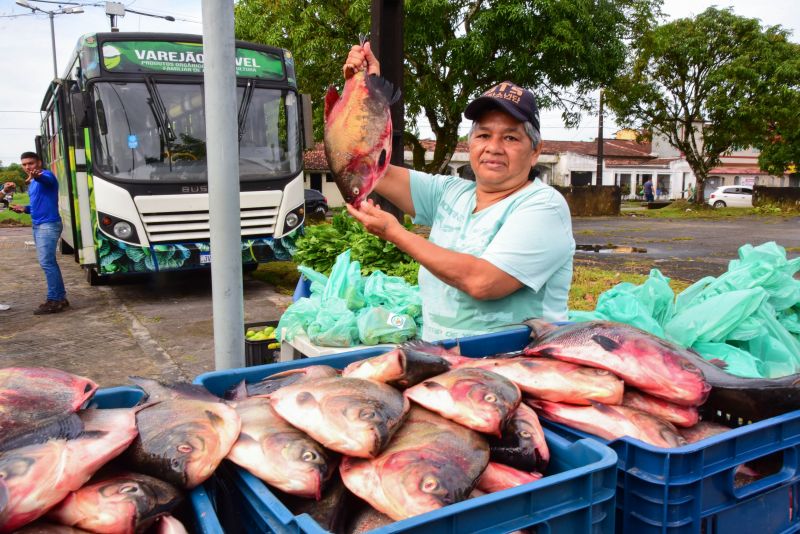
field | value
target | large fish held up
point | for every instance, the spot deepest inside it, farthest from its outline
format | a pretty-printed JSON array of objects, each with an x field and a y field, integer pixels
[
  {"x": 643, "y": 360},
  {"x": 358, "y": 133}
]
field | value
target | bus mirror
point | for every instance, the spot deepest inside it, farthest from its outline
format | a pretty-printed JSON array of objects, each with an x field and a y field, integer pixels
[
  {"x": 102, "y": 125},
  {"x": 308, "y": 123},
  {"x": 79, "y": 109}
]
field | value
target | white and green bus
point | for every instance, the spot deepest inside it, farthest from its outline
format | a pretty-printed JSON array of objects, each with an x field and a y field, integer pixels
[{"x": 124, "y": 131}]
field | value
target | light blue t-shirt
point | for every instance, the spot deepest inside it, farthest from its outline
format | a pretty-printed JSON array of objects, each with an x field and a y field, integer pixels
[{"x": 528, "y": 235}]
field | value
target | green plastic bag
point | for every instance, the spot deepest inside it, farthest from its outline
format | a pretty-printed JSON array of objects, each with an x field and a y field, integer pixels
[
  {"x": 379, "y": 325},
  {"x": 334, "y": 326},
  {"x": 645, "y": 306},
  {"x": 299, "y": 315},
  {"x": 392, "y": 292},
  {"x": 345, "y": 282}
]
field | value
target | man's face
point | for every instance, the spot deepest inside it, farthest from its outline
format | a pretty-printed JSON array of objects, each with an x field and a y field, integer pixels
[
  {"x": 30, "y": 165},
  {"x": 500, "y": 152}
]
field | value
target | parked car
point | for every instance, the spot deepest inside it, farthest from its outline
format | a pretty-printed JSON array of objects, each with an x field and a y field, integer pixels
[
  {"x": 316, "y": 203},
  {"x": 732, "y": 196}
]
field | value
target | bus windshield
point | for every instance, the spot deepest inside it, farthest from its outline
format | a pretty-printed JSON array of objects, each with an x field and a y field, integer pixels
[{"x": 154, "y": 131}]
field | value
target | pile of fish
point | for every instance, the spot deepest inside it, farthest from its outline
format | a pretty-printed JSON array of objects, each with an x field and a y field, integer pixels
[
  {"x": 64, "y": 468},
  {"x": 386, "y": 438}
]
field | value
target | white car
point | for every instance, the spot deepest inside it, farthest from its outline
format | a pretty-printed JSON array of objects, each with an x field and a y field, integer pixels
[{"x": 732, "y": 196}]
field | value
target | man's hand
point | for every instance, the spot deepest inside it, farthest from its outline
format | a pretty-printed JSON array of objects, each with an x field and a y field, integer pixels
[
  {"x": 33, "y": 175},
  {"x": 17, "y": 208},
  {"x": 361, "y": 58},
  {"x": 375, "y": 220}
]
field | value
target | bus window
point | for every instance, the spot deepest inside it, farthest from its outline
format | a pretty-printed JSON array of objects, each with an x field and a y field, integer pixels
[{"x": 156, "y": 132}]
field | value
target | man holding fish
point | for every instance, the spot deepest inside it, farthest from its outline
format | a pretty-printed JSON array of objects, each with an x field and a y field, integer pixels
[{"x": 500, "y": 248}]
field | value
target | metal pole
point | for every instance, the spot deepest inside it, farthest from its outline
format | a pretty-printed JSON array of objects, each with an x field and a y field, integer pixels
[
  {"x": 222, "y": 148},
  {"x": 387, "y": 44},
  {"x": 600, "y": 143},
  {"x": 53, "y": 43}
]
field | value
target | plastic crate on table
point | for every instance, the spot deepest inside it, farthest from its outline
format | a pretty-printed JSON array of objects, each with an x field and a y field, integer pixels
[
  {"x": 576, "y": 496},
  {"x": 201, "y": 518}
]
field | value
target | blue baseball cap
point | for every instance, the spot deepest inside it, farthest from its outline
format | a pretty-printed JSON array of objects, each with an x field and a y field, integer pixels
[{"x": 509, "y": 97}]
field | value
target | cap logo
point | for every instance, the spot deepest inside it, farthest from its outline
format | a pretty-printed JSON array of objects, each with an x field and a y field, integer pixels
[{"x": 506, "y": 91}]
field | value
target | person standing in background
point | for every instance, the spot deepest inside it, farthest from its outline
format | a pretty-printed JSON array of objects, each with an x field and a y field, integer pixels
[{"x": 47, "y": 226}]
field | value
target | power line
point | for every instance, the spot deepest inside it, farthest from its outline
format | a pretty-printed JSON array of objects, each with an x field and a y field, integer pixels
[{"x": 16, "y": 111}]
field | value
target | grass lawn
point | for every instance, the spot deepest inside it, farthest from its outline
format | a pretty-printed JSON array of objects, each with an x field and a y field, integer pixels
[
  {"x": 587, "y": 282},
  {"x": 681, "y": 209},
  {"x": 12, "y": 218}
]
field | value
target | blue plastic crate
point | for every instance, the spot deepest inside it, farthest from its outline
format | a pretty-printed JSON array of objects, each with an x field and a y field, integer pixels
[
  {"x": 203, "y": 517},
  {"x": 576, "y": 496},
  {"x": 692, "y": 489}
]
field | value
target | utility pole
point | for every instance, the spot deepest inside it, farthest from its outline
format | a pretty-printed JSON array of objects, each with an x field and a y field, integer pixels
[
  {"x": 386, "y": 40},
  {"x": 600, "y": 143},
  {"x": 222, "y": 145},
  {"x": 53, "y": 42}
]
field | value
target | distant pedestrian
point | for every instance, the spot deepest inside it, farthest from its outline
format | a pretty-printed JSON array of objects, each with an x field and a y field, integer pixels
[
  {"x": 648, "y": 190},
  {"x": 47, "y": 226}
]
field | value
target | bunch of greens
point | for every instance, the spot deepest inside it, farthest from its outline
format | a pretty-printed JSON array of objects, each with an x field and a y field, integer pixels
[{"x": 322, "y": 243}]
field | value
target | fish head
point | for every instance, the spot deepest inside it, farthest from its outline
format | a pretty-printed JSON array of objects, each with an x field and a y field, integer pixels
[
  {"x": 184, "y": 448},
  {"x": 686, "y": 374},
  {"x": 425, "y": 479},
  {"x": 362, "y": 419},
  {"x": 29, "y": 476},
  {"x": 146, "y": 497},
  {"x": 363, "y": 171},
  {"x": 484, "y": 396},
  {"x": 384, "y": 368},
  {"x": 304, "y": 462},
  {"x": 602, "y": 383}
]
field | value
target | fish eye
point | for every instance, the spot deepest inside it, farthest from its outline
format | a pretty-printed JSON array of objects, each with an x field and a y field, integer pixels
[
  {"x": 309, "y": 456},
  {"x": 689, "y": 366},
  {"x": 356, "y": 191},
  {"x": 185, "y": 448},
  {"x": 601, "y": 372},
  {"x": 129, "y": 488},
  {"x": 429, "y": 484},
  {"x": 525, "y": 434},
  {"x": 490, "y": 397},
  {"x": 366, "y": 413}
]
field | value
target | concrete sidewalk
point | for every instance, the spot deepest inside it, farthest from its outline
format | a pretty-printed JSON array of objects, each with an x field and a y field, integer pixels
[{"x": 158, "y": 327}]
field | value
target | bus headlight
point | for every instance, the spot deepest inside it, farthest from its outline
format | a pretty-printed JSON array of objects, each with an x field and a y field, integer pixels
[
  {"x": 123, "y": 230},
  {"x": 292, "y": 220},
  {"x": 118, "y": 228}
]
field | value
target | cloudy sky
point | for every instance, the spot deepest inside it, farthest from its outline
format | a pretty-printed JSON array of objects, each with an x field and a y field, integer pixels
[{"x": 26, "y": 64}]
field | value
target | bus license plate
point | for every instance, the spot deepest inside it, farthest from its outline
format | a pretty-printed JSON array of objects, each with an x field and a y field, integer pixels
[{"x": 205, "y": 258}]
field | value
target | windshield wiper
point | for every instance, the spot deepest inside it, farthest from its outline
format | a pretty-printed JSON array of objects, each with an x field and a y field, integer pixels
[
  {"x": 161, "y": 115},
  {"x": 244, "y": 106}
]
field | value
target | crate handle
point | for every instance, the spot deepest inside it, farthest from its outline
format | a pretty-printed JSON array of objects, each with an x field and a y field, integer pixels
[{"x": 786, "y": 473}]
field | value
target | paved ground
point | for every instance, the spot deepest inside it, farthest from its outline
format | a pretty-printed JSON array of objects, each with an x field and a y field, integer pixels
[
  {"x": 162, "y": 326},
  {"x": 154, "y": 326}
]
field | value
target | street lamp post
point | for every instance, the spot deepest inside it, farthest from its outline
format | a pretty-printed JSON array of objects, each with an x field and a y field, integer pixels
[{"x": 52, "y": 14}]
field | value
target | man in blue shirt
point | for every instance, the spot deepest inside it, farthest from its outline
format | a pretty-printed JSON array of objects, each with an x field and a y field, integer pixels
[
  {"x": 500, "y": 248},
  {"x": 47, "y": 226}
]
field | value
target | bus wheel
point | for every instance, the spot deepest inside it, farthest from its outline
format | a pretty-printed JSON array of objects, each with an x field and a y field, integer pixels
[
  {"x": 66, "y": 248},
  {"x": 93, "y": 278}
]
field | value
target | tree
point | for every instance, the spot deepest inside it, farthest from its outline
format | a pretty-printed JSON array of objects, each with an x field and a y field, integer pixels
[
  {"x": 13, "y": 173},
  {"x": 707, "y": 84},
  {"x": 455, "y": 49}
]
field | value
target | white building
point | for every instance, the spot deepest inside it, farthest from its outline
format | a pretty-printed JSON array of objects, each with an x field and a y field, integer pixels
[{"x": 626, "y": 163}]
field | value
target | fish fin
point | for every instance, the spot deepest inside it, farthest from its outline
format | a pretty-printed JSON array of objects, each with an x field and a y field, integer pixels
[
  {"x": 331, "y": 97},
  {"x": 237, "y": 393},
  {"x": 606, "y": 342},
  {"x": 722, "y": 364},
  {"x": 539, "y": 327},
  {"x": 545, "y": 352},
  {"x": 381, "y": 86}
]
